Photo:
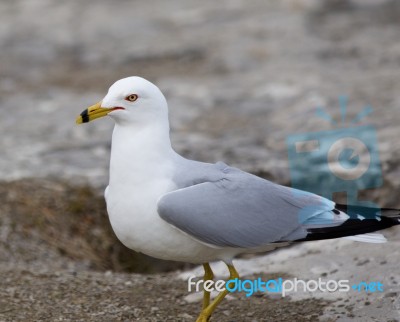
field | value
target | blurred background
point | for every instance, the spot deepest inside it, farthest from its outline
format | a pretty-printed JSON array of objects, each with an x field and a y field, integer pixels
[{"x": 239, "y": 76}]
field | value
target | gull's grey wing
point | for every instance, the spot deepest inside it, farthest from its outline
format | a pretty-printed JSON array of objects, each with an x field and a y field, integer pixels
[{"x": 227, "y": 207}]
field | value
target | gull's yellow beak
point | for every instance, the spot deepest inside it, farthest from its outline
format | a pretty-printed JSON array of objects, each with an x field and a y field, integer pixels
[{"x": 93, "y": 112}]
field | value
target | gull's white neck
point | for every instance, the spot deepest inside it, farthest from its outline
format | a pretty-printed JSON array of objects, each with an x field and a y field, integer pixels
[
  {"x": 141, "y": 171},
  {"x": 140, "y": 154}
]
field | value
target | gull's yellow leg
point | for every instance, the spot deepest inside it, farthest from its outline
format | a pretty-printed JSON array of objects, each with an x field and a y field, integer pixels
[
  {"x": 206, "y": 312},
  {"x": 208, "y": 275}
]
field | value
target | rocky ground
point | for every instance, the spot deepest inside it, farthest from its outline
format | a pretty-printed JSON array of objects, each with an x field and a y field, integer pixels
[{"x": 240, "y": 78}]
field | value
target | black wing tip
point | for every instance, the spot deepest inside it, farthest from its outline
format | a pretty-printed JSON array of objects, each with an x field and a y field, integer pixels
[{"x": 351, "y": 227}]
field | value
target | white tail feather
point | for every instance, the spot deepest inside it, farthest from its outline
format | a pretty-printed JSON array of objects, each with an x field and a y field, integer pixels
[{"x": 374, "y": 238}]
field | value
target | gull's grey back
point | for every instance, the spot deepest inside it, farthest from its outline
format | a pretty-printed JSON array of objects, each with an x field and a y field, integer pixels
[{"x": 226, "y": 207}]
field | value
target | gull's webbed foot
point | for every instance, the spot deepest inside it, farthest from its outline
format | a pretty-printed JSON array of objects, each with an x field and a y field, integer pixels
[{"x": 206, "y": 312}]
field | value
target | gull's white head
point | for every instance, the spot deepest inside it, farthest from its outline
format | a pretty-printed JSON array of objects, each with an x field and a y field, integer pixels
[{"x": 131, "y": 100}]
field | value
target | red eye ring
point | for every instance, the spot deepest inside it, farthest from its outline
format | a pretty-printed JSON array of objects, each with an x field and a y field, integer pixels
[{"x": 131, "y": 98}]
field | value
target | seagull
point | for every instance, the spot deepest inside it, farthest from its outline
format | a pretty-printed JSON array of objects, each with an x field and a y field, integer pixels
[{"x": 166, "y": 206}]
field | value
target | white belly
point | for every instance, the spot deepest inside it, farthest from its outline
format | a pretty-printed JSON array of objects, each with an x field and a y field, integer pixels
[{"x": 135, "y": 221}]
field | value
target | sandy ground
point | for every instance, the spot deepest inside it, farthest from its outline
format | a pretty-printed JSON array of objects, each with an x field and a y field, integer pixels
[
  {"x": 240, "y": 77},
  {"x": 72, "y": 296}
]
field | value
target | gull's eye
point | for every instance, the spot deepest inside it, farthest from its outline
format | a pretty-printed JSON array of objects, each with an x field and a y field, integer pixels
[{"x": 131, "y": 98}]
